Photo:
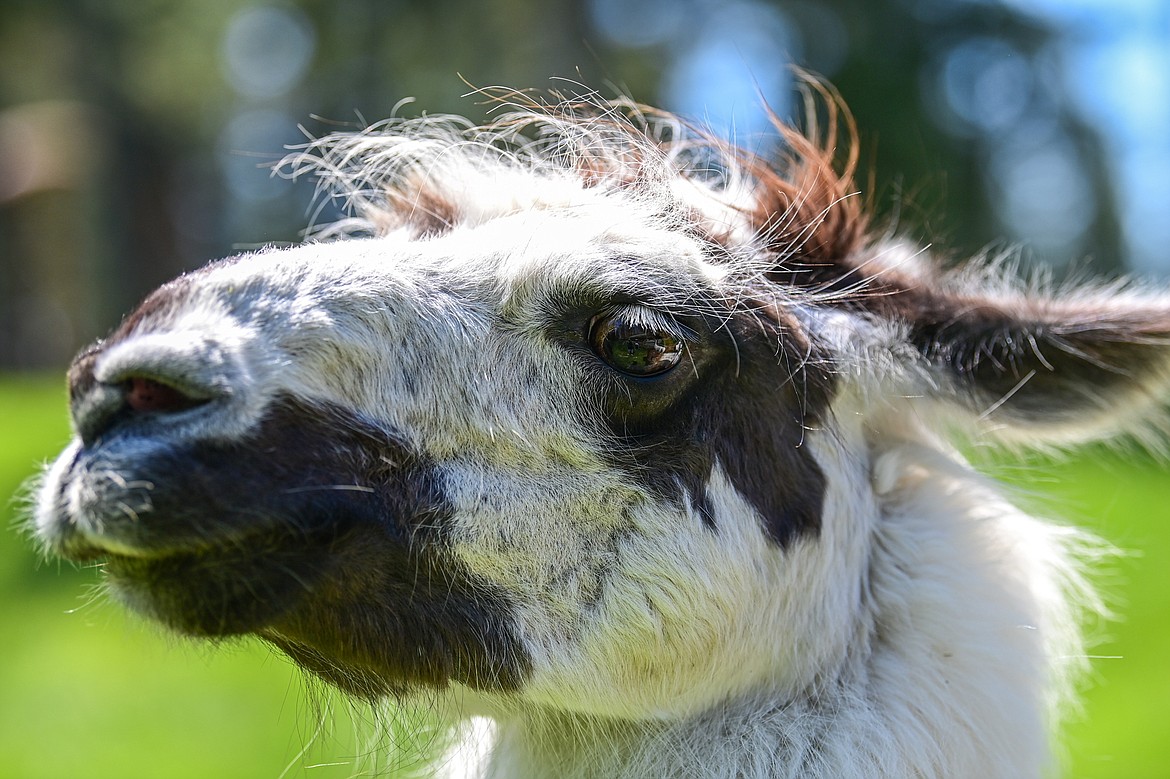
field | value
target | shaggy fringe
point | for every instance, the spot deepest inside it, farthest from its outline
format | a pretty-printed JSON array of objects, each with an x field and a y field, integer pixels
[{"x": 431, "y": 173}]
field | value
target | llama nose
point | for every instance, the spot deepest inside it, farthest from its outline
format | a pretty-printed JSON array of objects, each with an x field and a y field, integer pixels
[
  {"x": 101, "y": 403},
  {"x": 145, "y": 395}
]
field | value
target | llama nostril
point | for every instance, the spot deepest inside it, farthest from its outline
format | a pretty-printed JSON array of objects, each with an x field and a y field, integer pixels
[
  {"x": 104, "y": 405},
  {"x": 148, "y": 395}
]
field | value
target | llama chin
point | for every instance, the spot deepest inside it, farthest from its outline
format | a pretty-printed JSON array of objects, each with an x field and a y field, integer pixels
[{"x": 640, "y": 448}]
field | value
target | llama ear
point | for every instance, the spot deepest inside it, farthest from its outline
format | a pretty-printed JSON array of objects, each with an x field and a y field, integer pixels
[{"x": 1086, "y": 364}]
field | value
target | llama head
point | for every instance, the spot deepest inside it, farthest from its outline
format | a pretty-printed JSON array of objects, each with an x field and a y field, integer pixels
[{"x": 588, "y": 420}]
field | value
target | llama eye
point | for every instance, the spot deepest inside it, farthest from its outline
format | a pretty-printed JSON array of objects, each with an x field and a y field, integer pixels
[{"x": 633, "y": 347}]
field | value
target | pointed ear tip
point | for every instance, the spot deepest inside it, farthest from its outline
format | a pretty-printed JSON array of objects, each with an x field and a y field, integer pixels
[{"x": 1133, "y": 408}]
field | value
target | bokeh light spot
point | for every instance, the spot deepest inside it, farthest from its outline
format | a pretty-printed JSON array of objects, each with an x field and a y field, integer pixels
[{"x": 266, "y": 50}]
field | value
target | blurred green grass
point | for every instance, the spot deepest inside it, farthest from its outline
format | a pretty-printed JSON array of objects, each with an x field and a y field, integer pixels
[
  {"x": 89, "y": 691},
  {"x": 1123, "y": 496}
]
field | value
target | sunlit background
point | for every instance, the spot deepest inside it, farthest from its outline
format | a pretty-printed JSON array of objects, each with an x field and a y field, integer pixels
[{"x": 136, "y": 135}]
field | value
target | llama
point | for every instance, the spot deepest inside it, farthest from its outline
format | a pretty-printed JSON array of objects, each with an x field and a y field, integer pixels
[{"x": 636, "y": 447}]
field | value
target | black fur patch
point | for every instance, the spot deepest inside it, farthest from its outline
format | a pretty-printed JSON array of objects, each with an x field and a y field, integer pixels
[
  {"x": 743, "y": 397},
  {"x": 319, "y": 531}
]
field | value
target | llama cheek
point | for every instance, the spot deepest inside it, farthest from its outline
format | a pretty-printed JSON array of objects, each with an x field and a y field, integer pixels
[{"x": 664, "y": 635}]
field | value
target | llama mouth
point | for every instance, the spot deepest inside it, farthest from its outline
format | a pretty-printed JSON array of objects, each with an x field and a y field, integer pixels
[
  {"x": 218, "y": 538},
  {"x": 345, "y": 607},
  {"x": 78, "y": 545},
  {"x": 336, "y": 560},
  {"x": 222, "y": 590}
]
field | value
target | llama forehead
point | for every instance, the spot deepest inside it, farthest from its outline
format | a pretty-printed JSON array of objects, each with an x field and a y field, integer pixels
[
  {"x": 495, "y": 267},
  {"x": 604, "y": 255}
]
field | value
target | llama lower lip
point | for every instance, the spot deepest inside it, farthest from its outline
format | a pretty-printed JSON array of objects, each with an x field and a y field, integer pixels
[
  {"x": 218, "y": 591},
  {"x": 81, "y": 547},
  {"x": 77, "y": 549}
]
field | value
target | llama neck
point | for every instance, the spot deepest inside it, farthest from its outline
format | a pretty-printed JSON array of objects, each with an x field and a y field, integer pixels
[
  {"x": 833, "y": 732},
  {"x": 747, "y": 739},
  {"x": 949, "y": 674}
]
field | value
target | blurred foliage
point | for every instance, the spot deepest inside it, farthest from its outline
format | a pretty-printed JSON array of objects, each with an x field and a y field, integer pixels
[
  {"x": 929, "y": 168},
  {"x": 131, "y": 151}
]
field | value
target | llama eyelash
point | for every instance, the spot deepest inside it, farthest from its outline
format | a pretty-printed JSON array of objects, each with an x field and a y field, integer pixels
[{"x": 651, "y": 320}]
